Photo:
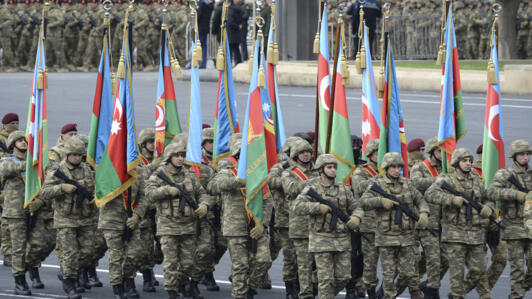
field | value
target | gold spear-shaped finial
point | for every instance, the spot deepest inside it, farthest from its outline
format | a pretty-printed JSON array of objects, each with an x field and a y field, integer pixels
[
  {"x": 260, "y": 37},
  {"x": 380, "y": 81},
  {"x": 492, "y": 76}
]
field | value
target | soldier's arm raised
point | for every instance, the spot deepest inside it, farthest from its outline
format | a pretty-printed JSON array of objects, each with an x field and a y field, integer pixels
[{"x": 274, "y": 178}]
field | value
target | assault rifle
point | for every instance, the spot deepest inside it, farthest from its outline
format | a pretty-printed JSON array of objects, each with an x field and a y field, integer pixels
[{"x": 80, "y": 190}]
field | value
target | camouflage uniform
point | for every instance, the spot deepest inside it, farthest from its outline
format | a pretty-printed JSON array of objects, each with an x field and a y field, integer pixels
[
  {"x": 71, "y": 35},
  {"x": 7, "y": 36},
  {"x": 85, "y": 28},
  {"x": 396, "y": 242},
  {"x": 179, "y": 36},
  {"x": 56, "y": 154},
  {"x": 5, "y": 237},
  {"x": 512, "y": 207},
  {"x": 523, "y": 25},
  {"x": 26, "y": 34},
  {"x": 139, "y": 16},
  {"x": 248, "y": 268},
  {"x": 55, "y": 51},
  {"x": 93, "y": 47},
  {"x": 462, "y": 239},
  {"x": 293, "y": 180},
  {"x": 330, "y": 246}
]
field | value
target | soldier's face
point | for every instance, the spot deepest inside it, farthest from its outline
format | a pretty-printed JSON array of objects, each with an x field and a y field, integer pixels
[
  {"x": 74, "y": 159},
  {"x": 149, "y": 145},
  {"x": 465, "y": 164},
  {"x": 178, "y": 160},
  {"x": 208, "y": 146},
  {"x": 330, "y": 170},
  {"x": 374, "y": 156},
  {"x": 68, "y": 135},
  {"x": 437, "y": 154},
  {"x": 304, "y": 157},
  {"x": 394, "y": 171},
  {"x": 522, "y": 158},
  {"x": 21, "y": 144}
]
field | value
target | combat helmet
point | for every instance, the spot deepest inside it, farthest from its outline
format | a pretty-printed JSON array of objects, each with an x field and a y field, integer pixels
[
  {"x": 518, "y": 146},
  {"x": 289, "y": 142},
  {"x": 460, "y": 154},
  {"x": 325, "y": 159},
  {"x": 13, "y": 137},
  {"x": 235, "y": 143},
  {"x": 83, "y": 138},
  {"x": 173, "y": 149},
  {"x": 432, "y": 145},
  {"x": 371, "y": 147},
  {"x": 207, "y": 135},
  {"x": 181, "y": 137},
  {"x": 146, "y": 135},
  {"x": 392, "y": 159},
  {"x": 74, "y": 146},
  {"x": 298, "y": 147}
]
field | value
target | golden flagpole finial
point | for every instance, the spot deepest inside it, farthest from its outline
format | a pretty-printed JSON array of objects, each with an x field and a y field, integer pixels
[{"x": 492, "y": 76}]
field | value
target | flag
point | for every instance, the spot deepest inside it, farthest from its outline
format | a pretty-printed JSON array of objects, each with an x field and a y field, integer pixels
[
  {"x": 271, "y": 81},
  {"x": 392, "y": 134},
  {"x": 452, "y": 121},
  {"x": 117, "y": 169},
  {"x": 166, "y": 117},
  {"x": 225, "y": 120},
  {"x": 370, "y": 107},
  {"x": 37, "y": 127},
  {"x": 269, "y": 123},
  {"x": 493, "y": 145},
  {"x": 102, "y": 108},
  {"x": 253, "y": 166},
  {"x": 324, "y": 82},
  {"x": 194, "y": 154},
  {"x": 341, "y": 146}
]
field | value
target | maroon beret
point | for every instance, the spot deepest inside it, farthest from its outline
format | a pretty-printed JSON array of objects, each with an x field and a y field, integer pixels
[
  {"x": 205, "y": 126},
  {"x": 415, "y": 144},
  {"x": 9, "y": 118},
  {"x": 479, "y": 149},
  {"x": 311, "y": 134},
  {"x": 69, "y": 128}
]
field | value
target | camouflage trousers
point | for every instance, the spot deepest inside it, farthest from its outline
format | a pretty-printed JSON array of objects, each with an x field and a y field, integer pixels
[
  {"x": 433, "y": 261},
  {"x": 92, "y": 51},
  {"x": 6, "y": 237},
  {"x": 305, "y": 260},
  {"x": 401, "y": 259},
  {"x": 463, "y": 255},
  {"x": 18, "y": 229},
  {"x": 334, "y": 272},
  {"x": 519, "y": 256},
  {"x": 275, "y": 243},
  {"x": 371, "y": 260},
  {"x": 76, "y": 249},
  {"x": 55, "y": 51},
  {"x": 499, "y": 256},
  {"x": 99, "y": 246},
  {"x": 23, "y": 49},
  {"x": 220, "y": 247},
  {"x": 205, "y": 248},
  {"x": 8, "y": 56},
  {"x": 148, "y": 245},
  {"x": 41, "y": 242},
  {"x": 124, "y": 257},
  {"x": 248, "y": 268},
  {"x": 289, "y": 253},
  {"x": 179, "y": 260}
]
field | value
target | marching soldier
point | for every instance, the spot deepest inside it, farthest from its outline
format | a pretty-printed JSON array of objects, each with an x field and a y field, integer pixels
[
  {"x": 9, "y": 124},
  {"x": 8, "y": 36},
  {"x": 56, "y": 153},
  {"x": 54, "y": 37},
  {"x": 415, "y": 149},
  {"x": 330, "y": 244},
  {"x": 463, "y": 231},
  {"x": 248, "y": 266},
  {"x": 12, "y": 173},
  {"x": 512, "y": 204},
  {"x": 395, "y": 237}
]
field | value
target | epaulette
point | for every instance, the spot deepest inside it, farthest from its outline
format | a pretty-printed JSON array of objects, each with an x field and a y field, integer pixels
[{"x": 286, "y": 165}]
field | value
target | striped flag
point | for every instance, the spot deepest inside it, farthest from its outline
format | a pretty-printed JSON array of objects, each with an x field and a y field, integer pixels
[
  {"x": 194, "y": 153},
  {"x": 324, "y": 81},
  {"x": 269, "y": 123}
]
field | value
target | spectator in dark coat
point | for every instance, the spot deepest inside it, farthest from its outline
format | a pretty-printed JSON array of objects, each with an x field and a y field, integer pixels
[
  {"x": 205, "y": 8},
  {"x": 244, "y": 33},
  {"x": 217, "y": 21},
  {"x": 234, "y": 29},
  {"x": 372, "y": 12}
]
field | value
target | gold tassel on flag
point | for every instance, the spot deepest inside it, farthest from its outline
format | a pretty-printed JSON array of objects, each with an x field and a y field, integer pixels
[
  {"x": 176, "y": 68},
  {"x": 345, "y": 70},
  {"x": 262, "y": 79},
  {"x": 121, "y": 71},
  {"x": 40, "y": 80},
  {"x": 250, "y": 64},
  {"x": 380, "y": 83},
  {"x": 362, "y": 57},
  {"x": 439, "y": 60},
  {"x": 269, "y": 56},
  {"x": 196, "y": 55},
  {"x": 220, "y": 61},
  {"x": 113, "y": 83},
  {"x": 275, "y": 53},
  {"x": 316, "y": 48},
  {"x": 492, "y": 77}
]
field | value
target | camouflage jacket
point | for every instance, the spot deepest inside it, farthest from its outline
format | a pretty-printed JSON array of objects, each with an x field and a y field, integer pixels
[
  {"x": 139, "y": 16},
  {"x": 7, "y": 21},
  {"x": 56, "y": 154},
  {"x": 504, "y": 192},
  {"x": 224, "y": 184},
  {"x": 170, "y": 221},
  {"x": 422, "y": 177},
  {"x": 206, "y": 175},
  {"x": 12, "y": 171},
  {"x": 66, "y": 212},
  {"x": 56, "y": 21},
  {"x": 144, "y": 172},
  {"x": 387, "y": 232},
  {"x": 294, "y": 180},
  {"x": 455, "y": 226},
  {"x": 3, "y": 138},
  {"x": 321, "y": 237},
  {"x": 280, "y": 201},
  {"x": 360, "y": 180}
]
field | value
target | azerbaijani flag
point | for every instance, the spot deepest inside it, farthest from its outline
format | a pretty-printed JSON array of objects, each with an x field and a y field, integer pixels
[
  {"x": 117, "y": 170},
  {"x": 194, "y": 154},
  {"x": 269, "y": 123},
  {"x": 493, "y": 145},
  {"x": 102, "y": 108},
  {"x": 324, "y": 81},
  {"x": 253, "y": 165},
  {"x": 370, "y": 107},
  {"x": 452, "y": 122},
  {"x": 166, "y": 117},
  {"x": 37, "y": 127},
  {"x": 225, "y": 120},
  {"x": 341, "y": 146},
  {"x": 392, "y": 135}
]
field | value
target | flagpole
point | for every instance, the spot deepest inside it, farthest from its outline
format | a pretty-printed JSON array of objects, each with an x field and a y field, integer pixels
[
  {"x": 441, "y": 52},
  {"x": 317, "y": 115},
  {"x": 333, "y": 87}
]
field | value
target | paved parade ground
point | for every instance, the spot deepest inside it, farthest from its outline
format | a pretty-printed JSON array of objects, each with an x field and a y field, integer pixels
[{"x": 70, "y": 97}]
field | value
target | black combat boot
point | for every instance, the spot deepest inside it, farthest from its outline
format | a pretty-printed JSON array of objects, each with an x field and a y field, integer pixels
[
  {"x": 172, "y": 294},
  {"x": 350, "y": 292},
  {"x": 35, "y": 278},
  {"x": 360, "y": 291},
  {"x": 84, "y": 280},
  {"x": 155, "y": 281},
  {"x": 380, "y": 293},
  {"x": 194, "y": 290},
  {"x": 372, "y": 294},
  {"x": 148, "y": 282},
  {"x": 7, "y": 260},
  {"x": 209, "y": 281},
  {"x": 130, "y": 289},
  {"x": 118, "y": 291},
  {"x": 94, "y": 281},
  {"x": 21, "y": 287},
  {"x": 70, "y": 289},
  {"x": 266, "y": 282},
  {"x": 79, "y": 288},
  {"x": 251, "y": 293},
  {"x": 182, "y": 292},
  {"x": 432, "y": 293},
  {"x": 289, "y": 285}
]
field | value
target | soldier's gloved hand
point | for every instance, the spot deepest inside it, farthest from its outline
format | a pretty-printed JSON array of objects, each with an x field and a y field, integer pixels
[
  {"x": 458, "y": 201},
  {"x": 423, "y": 221},
  {"x": 353, "y": 222},
  {"x": 486, "y": 212},
  {"x": 173, "y": 191},
  {"x": 201, "y": 211},
  {"x": 324, "y": 209},
  {"x": 257, "y": 231},
  {"x": 387, "y": 204},
  {"x": 520, "y": 196},
  {"x": 36, "y": 204},
  {"x": 133, "y": 221},
  {"x": 68, "y": 188}
]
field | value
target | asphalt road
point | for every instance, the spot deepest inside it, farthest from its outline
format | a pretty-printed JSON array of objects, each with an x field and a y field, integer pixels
[{"x": 70, "y": 98}]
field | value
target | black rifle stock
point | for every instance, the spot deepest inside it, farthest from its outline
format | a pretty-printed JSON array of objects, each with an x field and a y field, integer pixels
[
  {"x": 400, "y": 207},
  {"x": 512, "y": 179},
  {"x": 128, "y": 233},
  {"x": 80, "y": 190}
]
